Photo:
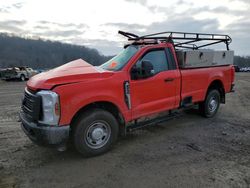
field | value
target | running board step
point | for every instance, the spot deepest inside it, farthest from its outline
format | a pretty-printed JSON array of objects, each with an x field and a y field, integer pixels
[{"x": 136, "y": 125}]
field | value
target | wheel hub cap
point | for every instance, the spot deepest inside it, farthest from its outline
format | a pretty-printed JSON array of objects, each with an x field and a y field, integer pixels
[
  {"x": 212, "y": 105},
  {"x": 98, "y": 134}
]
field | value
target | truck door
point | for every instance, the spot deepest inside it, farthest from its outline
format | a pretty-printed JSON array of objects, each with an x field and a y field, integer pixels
[{"x": 155, "y": 90}]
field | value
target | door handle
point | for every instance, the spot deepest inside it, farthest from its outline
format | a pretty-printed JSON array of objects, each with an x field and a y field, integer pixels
[{"x": 169, "y": 80}]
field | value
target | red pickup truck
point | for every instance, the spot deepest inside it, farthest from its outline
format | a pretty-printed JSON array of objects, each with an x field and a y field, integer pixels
[{"x": 91, "y": 105}]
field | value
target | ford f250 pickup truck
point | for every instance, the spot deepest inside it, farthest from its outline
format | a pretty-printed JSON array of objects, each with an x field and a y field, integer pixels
[
  {"x": 20, "y": 73},
  {"x": 154, "y": 75}
]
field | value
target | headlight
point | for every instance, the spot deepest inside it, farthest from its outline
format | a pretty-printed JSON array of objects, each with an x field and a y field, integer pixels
[{"x": 50, "y": 107}]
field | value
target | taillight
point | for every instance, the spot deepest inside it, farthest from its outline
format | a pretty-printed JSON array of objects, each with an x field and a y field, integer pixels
[{"x": 232, "y": 74}]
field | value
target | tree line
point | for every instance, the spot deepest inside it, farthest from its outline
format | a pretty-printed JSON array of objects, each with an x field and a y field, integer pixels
[
  {"x": 41, "y": 54},
  {"x": 242, "y": 61}
]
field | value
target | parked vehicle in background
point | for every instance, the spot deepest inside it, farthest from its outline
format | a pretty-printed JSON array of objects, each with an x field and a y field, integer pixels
[
  {"x": 19, "y": 73},
  {"x": 242, "y": 69},
  {"x": 41, "y": 70},
  {"x": 236, "y": 68},
  {"x": 146, "y": 83},
  {"x": 245, "y": 69},
  {"x": 1, "y": 72}
]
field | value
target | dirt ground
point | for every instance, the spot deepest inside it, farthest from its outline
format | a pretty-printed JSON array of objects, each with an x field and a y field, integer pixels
[{"x": 190, "y": 151}]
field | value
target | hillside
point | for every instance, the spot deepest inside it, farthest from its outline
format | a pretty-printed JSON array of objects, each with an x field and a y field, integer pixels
[{"x": 17, "y": 51}]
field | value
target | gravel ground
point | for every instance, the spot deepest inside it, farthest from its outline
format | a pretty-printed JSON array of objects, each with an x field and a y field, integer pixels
[{"x": 190, "y": 151}]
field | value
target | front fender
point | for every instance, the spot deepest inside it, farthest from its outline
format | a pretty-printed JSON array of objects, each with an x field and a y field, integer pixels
[{"x": 74, "y": 97}]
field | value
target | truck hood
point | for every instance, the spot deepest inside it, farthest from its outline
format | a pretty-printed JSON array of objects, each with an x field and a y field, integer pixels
[{"x": 72, "y": 72}]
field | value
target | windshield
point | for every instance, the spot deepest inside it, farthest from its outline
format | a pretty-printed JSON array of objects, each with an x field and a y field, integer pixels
[{"x": 120, "y": 60}]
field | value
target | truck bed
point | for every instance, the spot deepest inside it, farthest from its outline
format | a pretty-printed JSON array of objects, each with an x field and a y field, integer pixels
[{"x": 195, "y": 81}]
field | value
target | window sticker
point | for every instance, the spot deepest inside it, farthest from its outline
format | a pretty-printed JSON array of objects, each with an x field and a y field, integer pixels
[{"x": 113, "y": 65}]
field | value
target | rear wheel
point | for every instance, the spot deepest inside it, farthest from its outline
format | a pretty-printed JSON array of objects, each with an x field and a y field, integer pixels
[
  {"x": 95, "y": 132},
  {"x": 210, "y": 106}
]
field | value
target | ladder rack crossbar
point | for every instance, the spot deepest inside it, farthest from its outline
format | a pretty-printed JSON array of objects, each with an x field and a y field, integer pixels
[{"x": 180, "y": 39}]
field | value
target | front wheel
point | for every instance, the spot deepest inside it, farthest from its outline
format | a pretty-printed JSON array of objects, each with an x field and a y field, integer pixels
[
  {"x": 22, "y": 78},
  {"x": 210, "y": 106},
  {"x": 95, "y": 132}
]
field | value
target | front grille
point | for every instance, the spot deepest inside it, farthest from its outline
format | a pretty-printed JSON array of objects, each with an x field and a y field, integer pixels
[{"x": 31, "y": 105}]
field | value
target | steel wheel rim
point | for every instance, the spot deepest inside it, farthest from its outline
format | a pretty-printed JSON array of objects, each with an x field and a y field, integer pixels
[
  {"x": 97, "y": 134},
  {"x": 213, "y": 104}
]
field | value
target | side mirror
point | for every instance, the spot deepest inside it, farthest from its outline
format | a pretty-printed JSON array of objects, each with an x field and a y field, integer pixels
[
  {"x": 147, "y": 69},
  {"x": 135, "y": 73}
]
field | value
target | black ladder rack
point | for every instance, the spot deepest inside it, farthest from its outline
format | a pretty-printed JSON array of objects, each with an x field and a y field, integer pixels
[{"x": 179, "y": 39}]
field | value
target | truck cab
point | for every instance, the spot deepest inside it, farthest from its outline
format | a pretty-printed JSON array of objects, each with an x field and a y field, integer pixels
[{"x": 91, "y": 105}]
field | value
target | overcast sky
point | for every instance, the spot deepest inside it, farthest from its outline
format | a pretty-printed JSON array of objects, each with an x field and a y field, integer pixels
[{"x": 95, "y": 23}]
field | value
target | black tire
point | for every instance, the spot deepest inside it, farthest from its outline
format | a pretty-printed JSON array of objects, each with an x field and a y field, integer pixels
[
  {"x": 22, "y": 78},
  {"x": 210, "y": 106},
  {"x": 93, "y": 127}
]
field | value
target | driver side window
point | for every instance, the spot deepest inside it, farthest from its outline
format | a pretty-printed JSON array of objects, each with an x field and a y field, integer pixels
[{"x": 158, "y": 61}]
